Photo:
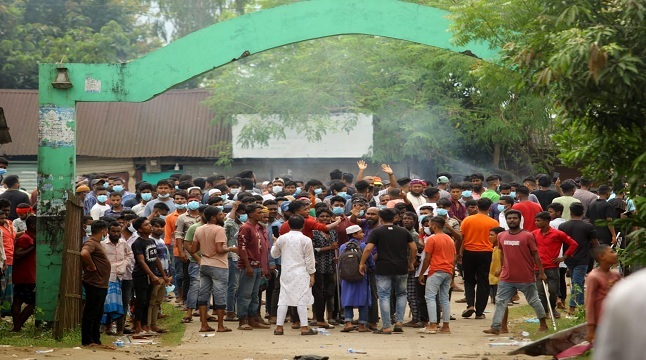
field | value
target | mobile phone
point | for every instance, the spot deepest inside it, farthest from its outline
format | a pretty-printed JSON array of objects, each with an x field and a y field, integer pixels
[{"x": 555, "y": 176}]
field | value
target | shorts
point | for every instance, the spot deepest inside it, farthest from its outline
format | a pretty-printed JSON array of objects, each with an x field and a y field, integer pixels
[{"x": 25, "y": 292}]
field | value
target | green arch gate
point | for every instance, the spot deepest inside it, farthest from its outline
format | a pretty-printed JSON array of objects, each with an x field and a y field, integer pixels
[{"x": 197, "y": 53}]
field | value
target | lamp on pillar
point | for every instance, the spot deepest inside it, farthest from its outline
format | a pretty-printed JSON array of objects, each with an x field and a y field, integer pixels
[{"x": 62, "y": 80}]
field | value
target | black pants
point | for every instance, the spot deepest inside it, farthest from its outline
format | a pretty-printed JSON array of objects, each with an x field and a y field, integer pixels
[
  {"x": 275, "y": 293},
  {"x": 186, "y": 280},
  {"x": 323, "y": 290},
  {"x": 373, "y": 312},
  {"x": 475, "y": 265},
  {"x": 92, "y": 313},
  {"x": 143, "y": 290},
  {"x": 420, "y": 292},
  {"x": 562, "y": 284}
]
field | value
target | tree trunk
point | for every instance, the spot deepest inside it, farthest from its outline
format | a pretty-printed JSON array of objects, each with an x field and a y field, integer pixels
[{"x": 496, "y": 156}]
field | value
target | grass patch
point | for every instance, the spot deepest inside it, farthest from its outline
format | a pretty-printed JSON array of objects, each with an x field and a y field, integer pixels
[
  {"x": 519, "y": 313},
  {"x": 43, "y": 337}
]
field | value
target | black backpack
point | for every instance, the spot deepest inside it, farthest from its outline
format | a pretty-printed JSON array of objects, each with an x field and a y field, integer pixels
[{"x": 349, "y": 261}]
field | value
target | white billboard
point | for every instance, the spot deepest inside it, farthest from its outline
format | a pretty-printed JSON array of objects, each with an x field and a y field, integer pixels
[{"x": 335, "y": 143}]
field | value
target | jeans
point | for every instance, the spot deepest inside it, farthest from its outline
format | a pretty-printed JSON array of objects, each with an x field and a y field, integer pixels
[
  {"x": 248, "y": 302},
  {"x": 194, "y": 285},
  {"x": 506, "y": 291},
  {"x": 92, "y": 313},
  {"x": 213, "y": 282},
  {"x": 323, "y": 292},
  {"x": 552, "y": 286},
  {"x": 578, "y": 281},
  {"x": 178, "y": 274},
  {"x": 475, "y": 265},
  {"x": 385, "y": 283},
  {"x": 232, "y": 285},
  {"x": 363, "y": 314},
  {"x": 438, "y": 282}
]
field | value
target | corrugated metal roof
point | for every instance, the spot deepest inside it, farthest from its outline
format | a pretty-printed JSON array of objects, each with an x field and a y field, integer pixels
[{"x": 173, "y": 124}]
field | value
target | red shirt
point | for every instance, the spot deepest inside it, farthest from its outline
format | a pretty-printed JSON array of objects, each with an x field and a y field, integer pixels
[
  {"x": 457, "y": 210},
  {"x": 8, "y": 239},
  {"x": 250, "y": 242},
  {"x": 549, "y": 246},
  {"x": 24, "y": 268},
  {"x": 529, "y": 210},
  {"x": 518, "y": 262},
  {"x": 310, "y": 225}
]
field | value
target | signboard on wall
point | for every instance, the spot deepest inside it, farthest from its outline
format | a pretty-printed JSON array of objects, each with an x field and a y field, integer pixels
[{"x": 335, "y": 143}]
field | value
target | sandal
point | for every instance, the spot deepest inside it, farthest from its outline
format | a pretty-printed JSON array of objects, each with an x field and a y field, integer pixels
[
  {"x": 468, "y": 313},
  {"x": 278, "y": 332},
  {"x": 211, "y": 319},
  {"x": 187, "y": 320},
  {"x": 398, "y": 329},
  {"x": 245, "y": 327},
  {"x": 382, "y": 332},
  {"x": 225, "y": 329},
  {"x": 426, "y": 331},
  {"x": 348, "y": 329},
  {"x": 310, "y": 332},
  {"x": 209, "y": 329}
]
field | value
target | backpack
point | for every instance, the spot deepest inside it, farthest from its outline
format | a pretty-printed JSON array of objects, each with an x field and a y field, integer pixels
[{"x": 349, "y": 261}]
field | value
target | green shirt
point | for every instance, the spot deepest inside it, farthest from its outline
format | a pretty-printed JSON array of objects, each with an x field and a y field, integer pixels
[
  {"x": 188, "y": 238},
  {"x": 491, "y": 194}
]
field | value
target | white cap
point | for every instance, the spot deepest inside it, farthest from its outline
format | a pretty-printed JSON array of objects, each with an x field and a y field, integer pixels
[
  {"x": 214, "y": 191},
  {"x": 352, "y": 229}
]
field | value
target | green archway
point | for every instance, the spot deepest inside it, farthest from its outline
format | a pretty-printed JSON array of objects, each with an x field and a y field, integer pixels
[{"x": 184, "y": 59}]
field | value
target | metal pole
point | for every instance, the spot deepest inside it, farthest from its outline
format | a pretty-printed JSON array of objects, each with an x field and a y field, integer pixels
[{"x": 549, "y": 306}]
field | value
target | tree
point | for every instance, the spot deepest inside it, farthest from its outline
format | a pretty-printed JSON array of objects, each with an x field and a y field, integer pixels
[
  {"x": 427, "y": 103},
  {"x": 589, "y": 57},
  {"x": 88, "y": 31}
]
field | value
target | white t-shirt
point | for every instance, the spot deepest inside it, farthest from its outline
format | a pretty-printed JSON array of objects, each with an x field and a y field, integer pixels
[{"x": 97, "y": 210}]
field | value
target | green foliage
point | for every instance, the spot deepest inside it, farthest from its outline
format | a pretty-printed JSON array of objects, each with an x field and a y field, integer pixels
[
  {"x": 86, "y": 31},
  {"x": 588, "y": 56},
  {"x": 438, "y": 105}
]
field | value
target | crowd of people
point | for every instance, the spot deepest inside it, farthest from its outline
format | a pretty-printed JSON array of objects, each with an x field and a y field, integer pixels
[{"x": 231, "y": 249}]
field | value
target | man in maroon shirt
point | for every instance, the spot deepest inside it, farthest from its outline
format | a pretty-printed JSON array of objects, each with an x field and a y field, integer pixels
[
  {"x": 250, "y": 242},
  {"x": 527, "y": 208},
  {"x": 518, "y": 255},
  {"x": 550, "y": 241},
  {"x": 24, "y": 275},
  {"x": 457, "y": 211}
]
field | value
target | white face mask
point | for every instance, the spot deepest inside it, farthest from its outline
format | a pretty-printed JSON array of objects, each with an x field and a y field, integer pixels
[
  {"x": 234, "y": 191},
  {"x": 427, "y": 231},
  {"x": 88, "y": 230}
]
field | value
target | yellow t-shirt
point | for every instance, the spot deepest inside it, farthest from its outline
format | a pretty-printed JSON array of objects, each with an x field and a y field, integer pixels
[{"x": 495, "y": 265}]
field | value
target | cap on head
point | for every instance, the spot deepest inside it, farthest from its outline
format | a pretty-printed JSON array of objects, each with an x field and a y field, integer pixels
[{"x": 352, "y": 229}]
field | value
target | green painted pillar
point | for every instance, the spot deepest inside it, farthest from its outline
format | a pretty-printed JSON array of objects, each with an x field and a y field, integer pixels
[{"x": 56, "y": 168}]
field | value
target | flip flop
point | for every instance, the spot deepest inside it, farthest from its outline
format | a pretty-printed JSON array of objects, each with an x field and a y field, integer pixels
[
  {"x": 226, "y": 329},
  {"x": 278, "y": 332},
  {"x": 346, "y": 330},
  {"x": 310, "y": 332},
  {"x": 382, "y": 332},
  {"x": 186, "y": 320},
  {"x": 426, "y": 331},
  {"x": 209, "y": 329},
  {"x": 398, "y": 329},
  {"x": 211, "y": 319},
  {"x": 245, "y": 327},
  {"x": 468, "y": 313}
]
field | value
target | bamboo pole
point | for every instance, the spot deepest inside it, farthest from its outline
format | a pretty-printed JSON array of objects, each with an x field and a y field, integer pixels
[{"x": 68, "y": 311}]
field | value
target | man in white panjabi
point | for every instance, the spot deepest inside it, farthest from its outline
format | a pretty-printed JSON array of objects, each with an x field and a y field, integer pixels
[{"x": 297, "y": 273}]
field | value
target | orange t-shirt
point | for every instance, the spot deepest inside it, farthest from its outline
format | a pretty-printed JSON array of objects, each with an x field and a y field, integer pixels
[
  {"x": 169, "y": 230},
  {"x": 475, "y": 232},
  {"x": 441, "y": 249}
]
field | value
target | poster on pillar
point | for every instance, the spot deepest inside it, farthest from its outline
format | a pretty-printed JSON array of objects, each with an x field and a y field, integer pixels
[{"x": 56, "y": 127}]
